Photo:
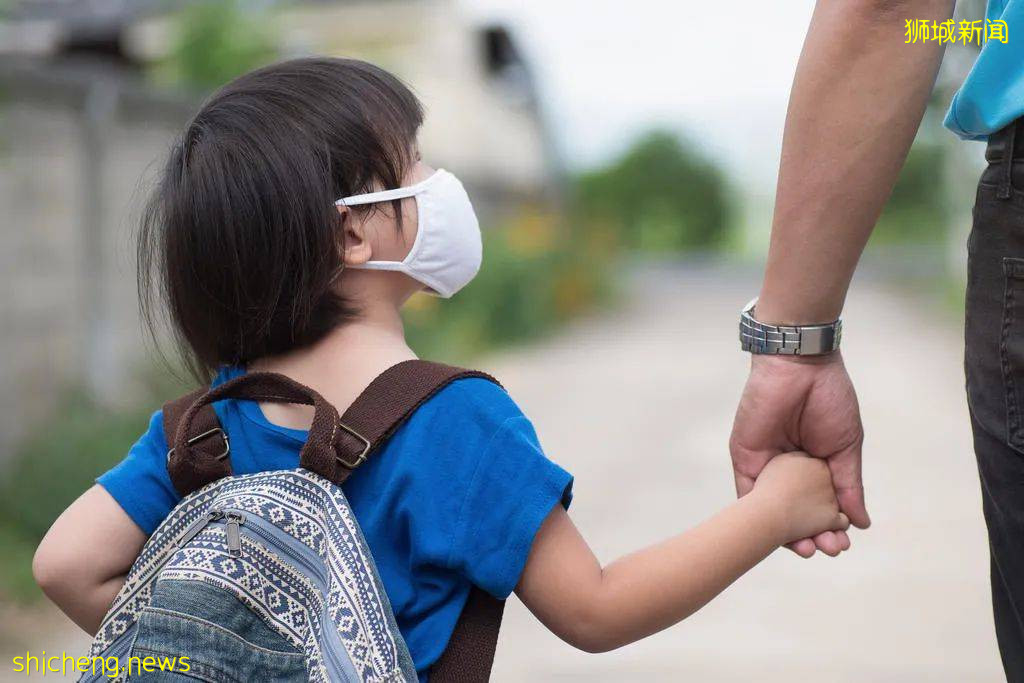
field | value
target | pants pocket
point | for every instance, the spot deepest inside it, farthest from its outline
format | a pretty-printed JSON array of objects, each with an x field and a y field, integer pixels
[
  {"x": 1011, "y": 350},
  {"x": 195, "y": 631}
]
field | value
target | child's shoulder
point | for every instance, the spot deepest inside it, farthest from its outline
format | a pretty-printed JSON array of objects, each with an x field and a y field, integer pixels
[
  {"x": 478, "y": 449},
  {"x": 470, "y": 402},
  {"x": 154, "y": 437},
  {"x": 476, "y": 393}
]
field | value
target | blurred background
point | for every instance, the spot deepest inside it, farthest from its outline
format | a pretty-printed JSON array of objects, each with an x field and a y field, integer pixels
[{"x": 623, "y": 165}]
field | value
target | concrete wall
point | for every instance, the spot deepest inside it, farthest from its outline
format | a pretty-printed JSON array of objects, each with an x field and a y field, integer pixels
[{"x": 74, "y": 150}]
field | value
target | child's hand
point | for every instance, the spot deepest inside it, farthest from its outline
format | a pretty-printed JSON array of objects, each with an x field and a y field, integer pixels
[{"x": 797, "y": 489}]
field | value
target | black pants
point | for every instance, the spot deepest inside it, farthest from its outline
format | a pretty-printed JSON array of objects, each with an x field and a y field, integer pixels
[{"x": 994, "y": 363}]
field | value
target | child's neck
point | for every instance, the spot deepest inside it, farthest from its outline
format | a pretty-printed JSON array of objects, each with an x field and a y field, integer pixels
[{"x": 340, "y": 365}]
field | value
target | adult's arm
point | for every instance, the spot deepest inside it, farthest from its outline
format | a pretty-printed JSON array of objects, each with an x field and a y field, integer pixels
[{"x": 858, "y": 97}]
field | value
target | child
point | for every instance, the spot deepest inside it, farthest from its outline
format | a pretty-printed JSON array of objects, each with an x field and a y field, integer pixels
[{"x": 262, "y": 267}]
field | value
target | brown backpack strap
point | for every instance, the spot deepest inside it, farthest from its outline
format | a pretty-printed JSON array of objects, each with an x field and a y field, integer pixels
[
  {"x": 196, "y": 458},
  {"x": 200, "y": 453},
  {"x": 210, "y": 449},
  {"x": 470, "y": 651},
  {"x": 387, "y": 403}
]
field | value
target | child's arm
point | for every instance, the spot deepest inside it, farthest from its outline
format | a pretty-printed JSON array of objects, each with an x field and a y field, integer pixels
[
  {"x": 82, "y": 561},
  {"x": 598, "y": 609}
]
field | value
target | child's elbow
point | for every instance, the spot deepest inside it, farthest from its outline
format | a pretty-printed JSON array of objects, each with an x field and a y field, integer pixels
[
  {"x": 52, "y": 569},
  {"x": 595, "y": 644},
  {"x": 593, "y": 631}
]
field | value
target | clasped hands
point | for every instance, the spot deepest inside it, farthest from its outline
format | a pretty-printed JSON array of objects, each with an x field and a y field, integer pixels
[{"x": 808, "y": 404}]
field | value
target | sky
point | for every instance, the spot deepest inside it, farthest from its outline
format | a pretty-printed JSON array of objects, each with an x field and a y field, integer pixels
[{"x": 717, "y": 72}]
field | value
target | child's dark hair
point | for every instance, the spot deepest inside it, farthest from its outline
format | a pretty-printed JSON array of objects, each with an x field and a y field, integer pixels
[{"x": 241, "y": 239}]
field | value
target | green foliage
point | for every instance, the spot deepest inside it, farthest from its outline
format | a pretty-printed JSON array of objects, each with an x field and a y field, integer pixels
[
  {"x": 916, "y": 211},
  {"x": 216, "y": 41},
  {"x": 661, "y": 195},
  {"x": 16, "y": 550},
  {"x": 54, "y": 465},
  {"x": 537, "y": 273}
]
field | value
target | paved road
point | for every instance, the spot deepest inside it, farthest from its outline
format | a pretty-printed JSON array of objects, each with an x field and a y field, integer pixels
[{"x": 638, "y": 405}]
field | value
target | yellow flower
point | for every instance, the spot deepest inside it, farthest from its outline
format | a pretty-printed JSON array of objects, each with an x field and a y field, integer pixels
[{"x": 533, "y": 232}]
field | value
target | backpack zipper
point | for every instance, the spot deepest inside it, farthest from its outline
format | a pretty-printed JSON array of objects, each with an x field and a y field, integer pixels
[
  {"x": 302, "y": 555},
  {"x": 233, "y": 521},
  {"x": 195, "y": 527},
  {"x": 190, "y": 532},
  {"x": 231, "y": 530}
]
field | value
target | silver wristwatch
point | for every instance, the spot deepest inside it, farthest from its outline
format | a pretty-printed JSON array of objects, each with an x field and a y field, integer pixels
[{"x": 796, "y": 340}]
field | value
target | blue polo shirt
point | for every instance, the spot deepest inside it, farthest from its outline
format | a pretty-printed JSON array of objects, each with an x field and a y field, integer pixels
[
  {"x": 993, "y": 93},
  {"x": 453, "y": 499}
]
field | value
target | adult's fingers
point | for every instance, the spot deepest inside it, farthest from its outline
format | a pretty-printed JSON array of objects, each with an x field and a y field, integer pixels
[
  {"x": 744, "y": 484},
  {"x": 846, "y": 478},
  {"x": 851, "y": 501}
]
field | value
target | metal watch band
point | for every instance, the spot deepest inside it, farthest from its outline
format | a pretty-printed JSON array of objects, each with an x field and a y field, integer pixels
[{"x": 794, "y": 340}]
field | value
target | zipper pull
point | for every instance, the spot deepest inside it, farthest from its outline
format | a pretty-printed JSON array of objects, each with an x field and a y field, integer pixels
[
  {"x": 195, "y": 527},
  {"x": 233, "y": 535}
]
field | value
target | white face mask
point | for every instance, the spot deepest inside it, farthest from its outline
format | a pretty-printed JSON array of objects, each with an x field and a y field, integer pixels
[{"x": 447, "y": 251}]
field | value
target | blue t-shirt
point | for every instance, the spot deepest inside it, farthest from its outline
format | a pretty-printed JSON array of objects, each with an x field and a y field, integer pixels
[
  {"x": 993, "y": 93},
  {"x": 454, "y": 498}
]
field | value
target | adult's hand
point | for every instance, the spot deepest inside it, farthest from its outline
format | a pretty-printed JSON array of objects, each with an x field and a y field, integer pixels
[
  {"x": 858, "y": 97},
  {"x": 802, "y": 403}
]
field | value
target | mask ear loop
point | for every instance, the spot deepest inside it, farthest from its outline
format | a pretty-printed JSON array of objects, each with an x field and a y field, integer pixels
[
  {"x": 388, "y": 195},
  {"x": 341, "y": 266},
  {"x": 394, "y": 195}
]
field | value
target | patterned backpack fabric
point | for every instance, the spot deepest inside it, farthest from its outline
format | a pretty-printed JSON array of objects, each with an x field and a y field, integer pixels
[{"x": 267, "y": 576}]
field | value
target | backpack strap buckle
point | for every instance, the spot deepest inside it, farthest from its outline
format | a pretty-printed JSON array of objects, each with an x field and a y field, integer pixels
[
  {"x": 361, "y": 457},
  {"x": 208, "y": 433}
]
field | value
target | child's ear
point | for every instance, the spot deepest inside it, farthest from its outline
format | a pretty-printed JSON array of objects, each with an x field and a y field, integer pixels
[{"x": 355, "y": 246}]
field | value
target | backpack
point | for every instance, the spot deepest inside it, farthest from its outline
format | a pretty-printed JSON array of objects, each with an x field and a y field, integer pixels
[{"x": 267, "y": 576}]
